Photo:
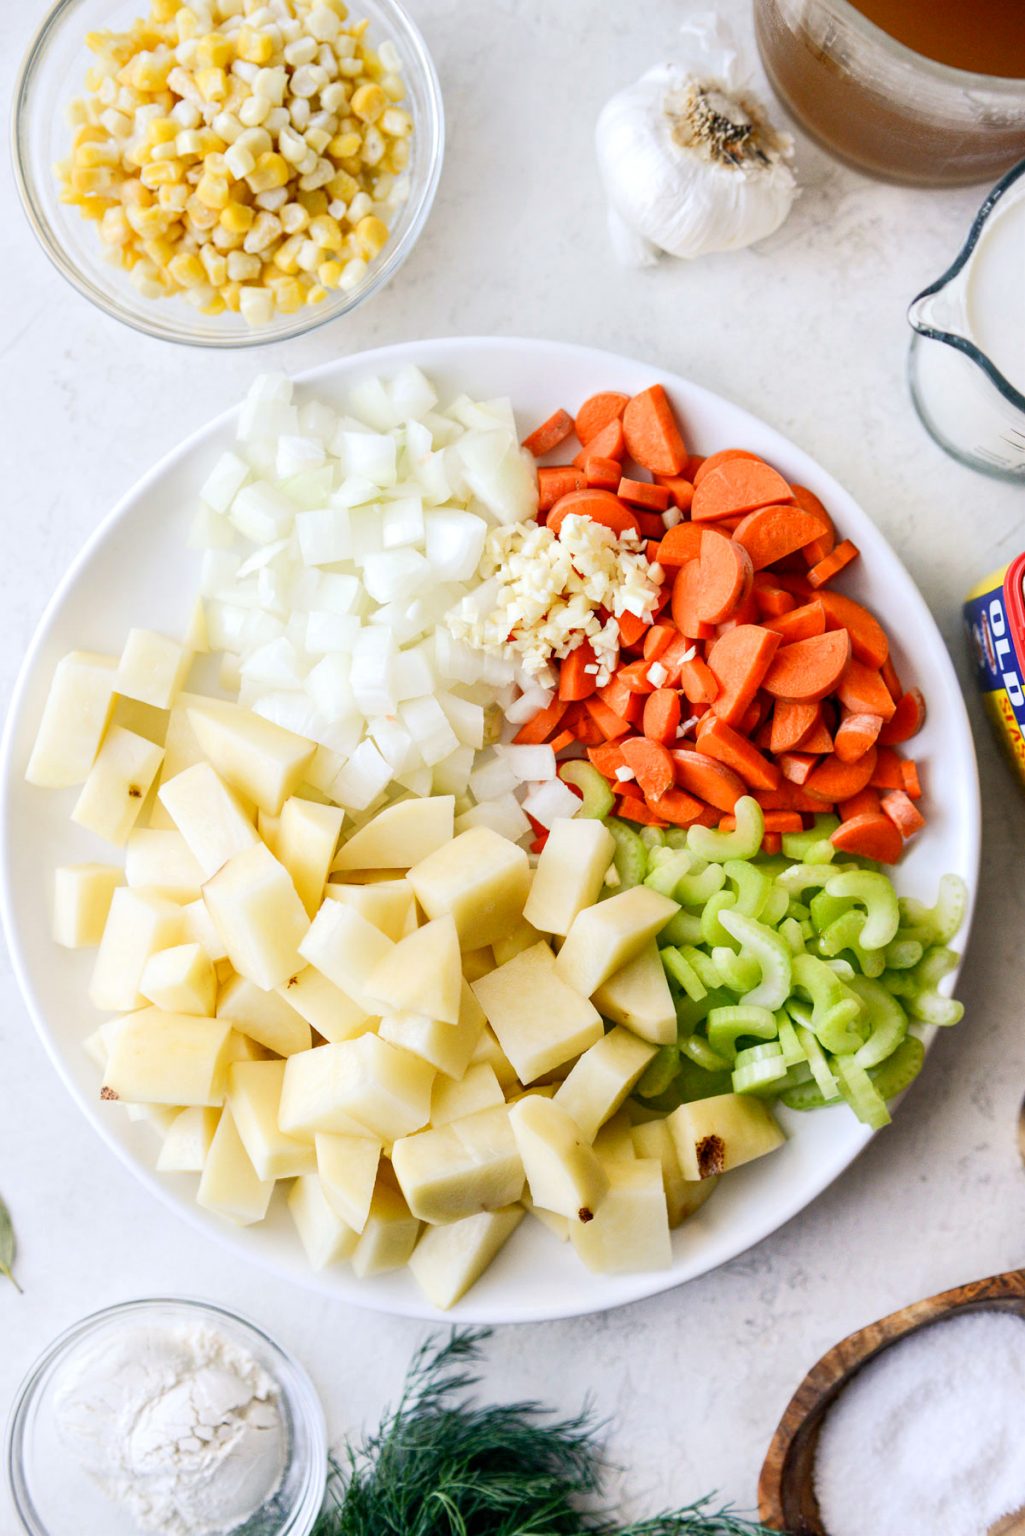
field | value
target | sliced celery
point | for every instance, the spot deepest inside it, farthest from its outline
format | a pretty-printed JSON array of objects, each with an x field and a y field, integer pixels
[
  {"x": 652, "y": 837},
  {"x": 899, "y": 1070},
  {"x": 770, "y": 1050},
  {"x": 788, "y": 1041},
  {"x": 739, "y": 972},
  {"x": 676, "y": 837},
  {"x": 683, "y": 973},
  {"x": 772, "y": 953},
  {"x": 702, "y": 1054},
  {"x": 697, "y": 887},
  {"x": 874, "y": 891},
  {"x": 753, "y": 886},
  {"x": 798, "y": 910},
  {"x": 944, "y": 919},
  {"x": 887, "y": 1022},
  {"x": 845, "y": 933},
  {"x": 776, "y": 907},
  {"x": 927, "y": 1002},
  {"x": 825, "y": 909},
  {"x": 727, "y": 1025},
  {"x": 840, "y": 967},
  {"x": 712, "y": 930},
  {"x": 804, "y": 877},
  {"x": 742, "y": 843},
  {"x": 861, "y": 1093},
  {"x": 598, "y": 798},
  {"x": 836, "y": 1010},
  {"x": 818, "y": 1061},
  {"x": 703, "y": 964},
  {"x": 666, "y": 872},
  {"x": 798, "y": 845},
  {"x": 660, "y": 1071},
  {"x": 759, "y": 1076},
  {"x": 684, "y": 928},
  {"x": 630, "y": 858},
  {"x": 807, "y": 1095},
  {"x": 790, "y": 930},
  {"x": 902, "y": 954}
]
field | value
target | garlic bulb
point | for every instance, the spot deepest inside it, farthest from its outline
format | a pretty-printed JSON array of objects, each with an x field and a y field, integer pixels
[{"x": 689, "y": 161}]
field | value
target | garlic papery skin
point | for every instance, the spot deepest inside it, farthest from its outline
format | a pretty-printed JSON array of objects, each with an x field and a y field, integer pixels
[{"x": 690, "y": 165}]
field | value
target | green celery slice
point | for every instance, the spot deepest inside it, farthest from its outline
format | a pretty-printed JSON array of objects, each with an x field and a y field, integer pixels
[
  {"x": 630, "y": 858},
  {"x": 887, "y": 1021},
  {"x": 683, "y": 973},
  {"x": 700, "y": 885},
  {"x": 753, "y": 886},
  {"x": 816, "y": 841},
  {"x": 772, "y": 953},
  {"x": 598, "y": 798},
  {"x": 725, "y": 1026},
  {"x": 660, "y": 1071},
  {"x": 740, "y": 973},
  {"x": 835, "y": 1008},
  {"x": 742, "y": 843},
  {"x": 684, "y": 928},
  {"x": 898, "y": 1071},
  {"x": 875, "y": 892},
  {"x": 712, "y": 930},
  {"x": 759, "y": 1076},
  {"x": 665, "y": 873},
  {"x": 777, "y": 905},
  {"x": 861, "y": 1093},
  {"x": 818, "y": 1061},
  {"x": 702, "y": 1054}
]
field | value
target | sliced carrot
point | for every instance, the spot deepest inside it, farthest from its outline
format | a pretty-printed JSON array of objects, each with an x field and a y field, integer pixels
[
  {"x": 608, "y": 722},
  {"x": 686, "y": 597},
  {"x": 681, "y": 490},
  {"x": 632, "y": 630},
  {"x": 865, "y": 803},
  {"x": 862, "y": 690},
  {"x": 772, "y": 601},
  {"x": 724, "y": 575},
  {"x": 903, "y": 812},
  {"x": 854, "y": 735},
  {"x": 600, "y": 506},
  {"x": 753, "y": 715},
  {"x": 772, "y": 532},
  {"x": 890, "y": 677},
  {"x": 791, "y": 722},
  {"x": 809, "y": 669},
  {"x": 872, "y": 837},
  {"x": 775, "y": 821},
  {"x": 563, "y": 740},
  {"x": 693, "y": 464},
  {"x": 635, "y": 677},
  {"x": 708, "y": 778},
  {"x": 609, "y": 443},
  {"x": 717, "y": 739},
  {"x": 788, "y": 797},
  {"x": 657, "y": 640},
  {"x": 630, "y": 788},
  {"x": 549, "y": 434},
  {"x": 796, "y": 766},
  {"x": 555, "y": 481},
  {"x": 824, "y": 543},
  {"x": 652, "y": 436},
  {"x": 597, "y": 412},
  {"x": 602, "y": 474},
  {"x": 739, "y": 661},
  {"x": 798, "y": 623},
  {"x": 651, "y": 524},
  {"x": 889, "y": 770},
  {"x": 642, "y": 493},
  {"x": 575, "y": 681},
  {"x": 680, "y": 544},
  {"x": 832, "y": 564},
  {"x": 672, "y": 658},
  {"x": 606, "y": 758},
  {"x": 677, "y": 807},
  {"x": 868, "y": 638},
  {"x": 538, "y": 729},
  {"x": 698, "y": 681},
  {"x": 772, "y": 842},
  {"x": 912, "y": 784},
  {"x": 585, "y": 729},
  {"x": 651, "y": 763},
  {"x": 819, "y": 739},
  {"x": 633, "y": 808},
  {"x": 737, "y": 487},
  {"x": 621, "y": 699},
  {"x": 907, "y": 718},
  {"x": 836, "y": 780},
  {"x": 723, "y": 456},
  {"x": 662, "y": 716}
]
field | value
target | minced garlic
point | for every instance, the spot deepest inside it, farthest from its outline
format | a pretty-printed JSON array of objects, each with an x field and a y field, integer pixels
[{"x": 545, "y": 591}]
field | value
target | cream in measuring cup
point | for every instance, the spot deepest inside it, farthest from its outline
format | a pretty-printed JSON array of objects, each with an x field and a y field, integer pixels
[{"x": 967, "y": 364}]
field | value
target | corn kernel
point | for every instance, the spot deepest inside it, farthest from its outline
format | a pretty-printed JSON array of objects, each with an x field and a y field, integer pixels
[
  {"x": 213, "y": 83},
  {"x": 161, "y": 173},
  {"x": 286, "y": 257},
  {"x": 149, "y": 73},
  {"x": 85, "y": 180},
  {"x": 271, "y": 171},
  {"x": 344, "y": 146},
  {"x": 372, "y": 234},
  {"x": 236, "y": 218},
  {"x": 92, "y": 155},
  {"x": 254, "y": 47},
  {"x": 368, "y": 102},
  {"x": 159, "y": 251},
  {"x": 326, "y": 232},
  {"x": 163, "y": 10},
  {"x": 329, "y": 273},
  {"x": 289, "y": 296},
  {"x": 396, "y": 123},
  {"x": 214, "y": 51},
  {"x": 212, "y": 190}
]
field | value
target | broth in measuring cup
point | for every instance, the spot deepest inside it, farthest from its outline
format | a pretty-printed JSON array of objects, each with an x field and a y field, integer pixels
[{"x": 986, "y": 37}]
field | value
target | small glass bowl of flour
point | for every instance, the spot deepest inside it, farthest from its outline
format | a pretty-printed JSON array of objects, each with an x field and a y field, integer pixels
[{"x": 167, "y": 1418}]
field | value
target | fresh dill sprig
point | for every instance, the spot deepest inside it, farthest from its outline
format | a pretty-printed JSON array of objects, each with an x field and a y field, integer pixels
[{"x": 441, "y": 1465}]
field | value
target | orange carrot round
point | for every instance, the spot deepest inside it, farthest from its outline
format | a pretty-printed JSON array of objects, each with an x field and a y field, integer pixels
[
  {"x": 719, "y": 740},
  {"x": 652, "y": 435},
  {"x": 737, "y": 487},
  {"x": 681, "y": 490},
  {"x": 903, "y": 812},
  {"x": 707, "y": 778},
  {"x": 575, "y": 682},
  {"x": 791, "y": 722},
  {"x": 603, "y": 474},
  {"x": 557, "y": 480},
  {"x": 654, "y": 498},
  {"x": 740, "y": 660},
  {"x": 549, "y": 434},
  {"x": 855, "y": 734},
  {"x": 833, "y": 564},
  {"x": 798, "y": 623},
  {"x": 907, "y": 719},
  {"x": 809, "y": 669},
  {"x": 862, "y": 690},
  {"x": 662, "y": 715},
  {"x": 600, "y": 506},
  {"x": 868, "y": 638},
  {"x": 835, "y": 780},
  {"x": 873, "y": 837},
  {"x": 609, "y": 443},
  {"x": 725, "y": 575},
  {"x": 597, "y": 412},
  {"x": 723, "y": 456},
  {"x": 825, "y": 541},
  {"x": 686, "y": 597},
  {"x": 680, "y": 544},
  {"x": 772, "y": 532},
  {"x": 651, "y": 763}
]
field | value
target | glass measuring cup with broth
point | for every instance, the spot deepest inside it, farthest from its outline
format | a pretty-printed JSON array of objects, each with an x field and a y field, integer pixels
[
  {"x": 967, "y": 363},
  {"x": 930, "y": 92}
]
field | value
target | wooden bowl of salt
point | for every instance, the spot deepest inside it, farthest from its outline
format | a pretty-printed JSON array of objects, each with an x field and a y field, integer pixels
[{"x": 787, "y": 1499}]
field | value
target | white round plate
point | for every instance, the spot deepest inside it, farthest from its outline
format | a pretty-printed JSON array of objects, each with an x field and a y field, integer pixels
[{"x": 137, "y": 570}]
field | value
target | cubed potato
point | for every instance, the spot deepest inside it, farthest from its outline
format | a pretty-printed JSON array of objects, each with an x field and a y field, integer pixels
[
  {"x": 264, "y": 1016},
  {"x": 254, "y": 1096},
  {"x": 365, "y": 1084},
  {"x": 259, "y": 916},
  {"x": 305, "y": 840},
  {"x": 181, "y": 980},
  {"x": 390, "y": 1233},
  {"x": 229, "y": 1185},
  {"x": 604, "y": 938},
  {"x": 97, "y": 1044},
  {"x": 152, "y": 668},
  {"x": 188, "y": 1140},
  {"x": 489, "y": 1053},
  {"x": 459, "y": 1169},
  {"x": 557, "y": 1225},
  {"x": 331, "y": 1012},
  {"x": 448, "y": 1260},
  {"x": 244, "y": 1048},
  {"x": 388, "y": 904},
  {"x": 196, "y": 637},
  {"x": 683, "y": 1196},
  {"x": 569, "y": 873},
  {"x": 143, "y": 719},
  {"x": 717, "y": 1134},
  {"x": 74, "y": 719},
  {"x": 323, "y": 1234},
  {"x": 481, "y": 879},
  {"x": 478, "y": 962},
  {"x": 563, "y": 1173},
  {"x": 451, "y": 1099},
  {"x": 197, "y": 927},
  {"x": 262, "y": 760},
  {"x": 168, "y": 1058},
  {"x": 638, "y": 996},
  {"x": 212, "y": 820},
  {"x": 421, "y": 974},
  {"x": 540, "y": 1021},
  {"x": 520, "y": 937},
  {"x": 400, "y": 835},
  {"x": 268, "y": 827},
  {"x": 614, "y": 1140},
  {"x": 602, "y": 1079},
  {"x": 82, "y": 894},
  {"x": 117, "y": 785},
  {"x": 348, "y": 1166},
  {"x": 446, "y": 1046},
  {"x": 159, "y": 860},
  {"x": 159, "y": 1117},
  {"x": 181, "y": 751},
  {"x": 630, "y": 1230},
  {"x": 346, "y": 949},
  {"x": 137, "y": 926}
]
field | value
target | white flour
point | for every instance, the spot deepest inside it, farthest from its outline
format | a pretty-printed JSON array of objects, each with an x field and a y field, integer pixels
[{"x": 177, "y": 1424}]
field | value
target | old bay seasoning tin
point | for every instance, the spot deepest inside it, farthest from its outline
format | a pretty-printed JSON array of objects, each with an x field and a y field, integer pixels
[{"x": 995, "y": 621}]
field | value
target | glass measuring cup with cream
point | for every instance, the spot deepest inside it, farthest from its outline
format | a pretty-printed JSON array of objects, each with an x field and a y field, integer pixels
[{"x": 967, "y": 364}]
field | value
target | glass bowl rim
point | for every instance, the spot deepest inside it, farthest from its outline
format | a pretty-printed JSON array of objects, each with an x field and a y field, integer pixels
[
  {"x": 299, "y": 1391},
  {"x": 432, "y": 131}
]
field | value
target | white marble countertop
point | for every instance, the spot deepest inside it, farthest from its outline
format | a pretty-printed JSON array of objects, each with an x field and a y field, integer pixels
[{"x": 809, "y": 332}]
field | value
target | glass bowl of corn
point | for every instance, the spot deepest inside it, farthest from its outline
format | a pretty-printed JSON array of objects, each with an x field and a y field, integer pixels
[{"x": 225, "y": 173}]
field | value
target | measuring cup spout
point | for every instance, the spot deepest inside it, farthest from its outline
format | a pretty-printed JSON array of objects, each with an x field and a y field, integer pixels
[{"x": 933, "y": 313}]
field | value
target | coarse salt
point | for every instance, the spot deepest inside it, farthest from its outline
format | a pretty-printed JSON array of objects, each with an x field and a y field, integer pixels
[{"x": 926, "y": 1440}]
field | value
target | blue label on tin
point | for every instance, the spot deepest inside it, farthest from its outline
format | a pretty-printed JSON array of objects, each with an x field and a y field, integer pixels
[{"x": 997, "y": 663}]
